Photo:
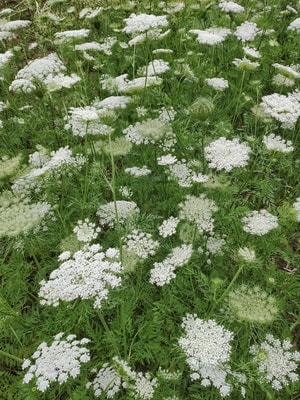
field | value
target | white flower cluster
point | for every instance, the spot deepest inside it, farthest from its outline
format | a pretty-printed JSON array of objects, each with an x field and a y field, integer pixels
[
  {"x": 58, "y": 161},
  {"x": 107, "y": 381},
  {"x": 138, "y": 171},
  {"x": 211, "y": 36},
  {"x": 126, "y": 210},
  {"x": 231, "y": 7},
  {"x": 277, "y": 364},
  {"x": 5, "y": 57},
  {"x": 164, "y": 271},
  {"x": 155, "y": 67},
  {"x": 39, "y": 70},
  {"x": 198, "y": 210},
  {"x": 86, "y": 231},
  {"x": 90, "y": 13},
  {"x": 167, "y": 159},
  {"x": 59, "y": 81},
  {"x": 296, "y": 207},
  {"x": 259, "y": 222},
  {"x": 121, "y": 84},
  {"x": 140, "y": 23},
  {"x": 246, "y": 31},
  {"x": 11, "y": 26},
  {"x": 227, "y": 154},
  {"x": 88, "y": 274},
  {"x": 73, "y": 34},
  {"x": 275, "y": 142},
  {"x": 184, "y": 175},
  {"x": 8, "y": 166},
  {"x": 207, "y": 347},
  {"x": 148, "y": 131},
  {"x": 111, "y": 379},
  {"x": 294, "y": 25},
  {"x": 252, "y": 305},
  {"x": 244, "y": 64},
  {"x": 251, "y": 52},
  {"x": 168, "y": 227},
  {"x": 285, "y": 109},
  {"x": 140, "y": 243},
  {"x": 217, "y": 83},
  {"x": 112, "y": 103},
  {"x": 20, "y": 217},
  {"x": 57, "y": 362},
  {"x": 86, "y": 121},
  {"x": 214, "y": 245}
]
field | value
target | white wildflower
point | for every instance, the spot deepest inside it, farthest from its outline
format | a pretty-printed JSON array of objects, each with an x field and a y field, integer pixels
[
  {"x": 5, "y": 57},
  {"x": 57, "y": 362},
  {"x": 251, "y": 52},
  {"x": 126, "y": 210},
  {"x": 73, "y": 34},
  {"x": 107, "y": 381},
  {"x": 277, "y": 363},
  {"x": 289, "y": 71},
  {"x": 15, "y": 25},
  {"x": 163, "y": 272},
  {"x": 247, "y": 254},
  {"x": 227, "y": 154},
  {"x": 89, "y": 274},
  {"x": 210, "y": 36},
  {"x": 138, "y": 171},
  {"x": 296, "y": 207},
  {"x": 230, "y": 6},
  {"x": 294, "y": 25},
  {"x": 86, "y": 231},
  {"x": 246, "y": 31},
  {"x": 139, "y": 23},
  {"x": 112, "y": 102},
  {"x": 155, "y": 67},
  {"x": 259, "y": 222},
  {"x": 168, "y": 227},
  {"x": 167, "y": 159},
  {"x": 217, "y": 83},
  {"x": 198, "y": 210},
  {"x": 207, "y": 347},
  {"x": 19, "y": 216},
  {"x": 141, "y": 243},
  {"x": 283, "y": 80},
  {"x": 252, "y": 305},
  {"x": 148, "y": 131},
  {"x": 90, "y": 13},
  {"x": 245, "y": 64},
  {"x": 285, "y": 109},
  {"x": 276, "y": 143}
]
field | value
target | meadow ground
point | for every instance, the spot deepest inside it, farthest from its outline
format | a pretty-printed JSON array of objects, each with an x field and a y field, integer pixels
[{"x": 150, "y": 203}]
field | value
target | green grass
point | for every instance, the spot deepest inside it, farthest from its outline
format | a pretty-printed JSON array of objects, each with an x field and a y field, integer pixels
[{"x": 141, "y": 322}]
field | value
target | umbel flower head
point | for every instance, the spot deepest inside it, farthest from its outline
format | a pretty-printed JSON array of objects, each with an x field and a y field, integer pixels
[
  {"x": 57, "y": 362},
  {"x": 89, "y": 274},
  {"x": 202, "y": 108},
  {"x": 126, "y": 210},
  {"x": 259, "y": 222},
  {"x": 207, "y": 347},
  {"x": 227, "y": 154},
  {"x": 276, "y": 361},
  {"x": 252, "y": 305},
  {"x": 20, "y": 216}
]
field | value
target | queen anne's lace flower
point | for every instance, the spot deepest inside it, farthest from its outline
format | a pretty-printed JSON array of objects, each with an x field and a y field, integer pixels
[
  {"x": 246, "y": 31},
  {"x": 57, "y": 362},
  {"x": 259, "y": 222},
  {"x": 277, "y": 363},
  {"x": 294, "y": 25},
  {"x": 20, "y": 216},
  {"x": 227, "y": 154},
  {"x": 141, "y": 243},
  {"x": 139, "y": 23},
  {"x": 86, "y": 231},
  {"x": 164, "y": 271},
  {"x": 198, "y": 210},
  {"x": 90, "y": 273},
  {"x": 252, "y": 305},
  {"x": 273, "y": 142},
  {"x": 168, "y": 227},
  {"x": 285, "y": 109},
  {"x": 207, "y": 347},
  {"x": 211, "y": 36},
  {"x": 217, "y": 83},
  {"x": 125, "y": 210},
  {"x": 296, "y": 207},
  {"x": 230, "y": 6},
  {"x": 148, "y": 131}
]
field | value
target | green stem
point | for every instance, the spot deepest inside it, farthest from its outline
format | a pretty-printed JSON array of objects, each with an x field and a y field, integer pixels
[
  {"x": 4, "y": 353},
  {"x": 108, "y": 331},
  {"x": 113, "y": 189},
  {"x": 226, "y": 291}
]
